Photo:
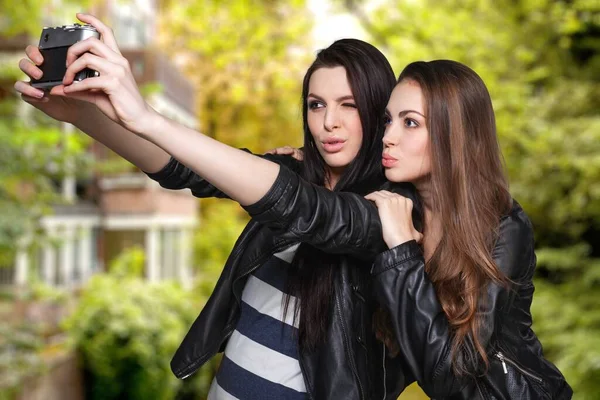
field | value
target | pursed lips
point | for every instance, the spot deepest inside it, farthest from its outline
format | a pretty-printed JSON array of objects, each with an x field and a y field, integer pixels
[
  {"x": 333, "y": 145},
  {"x": 387, "y": 160}
]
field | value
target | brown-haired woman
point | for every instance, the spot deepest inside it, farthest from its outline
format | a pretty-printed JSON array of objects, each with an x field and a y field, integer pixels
[{"x": 458, "y": 302}]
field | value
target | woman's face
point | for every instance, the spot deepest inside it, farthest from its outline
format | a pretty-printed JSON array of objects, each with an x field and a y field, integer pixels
[
  {"x": 406, "y": 154},
  {"x": 333, "y": 118}
]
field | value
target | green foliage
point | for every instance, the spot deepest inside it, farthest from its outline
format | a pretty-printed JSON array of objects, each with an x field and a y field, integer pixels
[
  {"x": 31, "y": 163},
  {"x": 33, "y": 150},
  {"x": 25, "y": 17},
  {"x": 19, "y": 357},
  {"x": 247, "y": 65},
  {"x": 129, "y": 264},
  {"x": 567, "y": 317},
  {"x": 126, "y": 331},
  {"x": 222, "y": 223},
  {"x": 41, "y": 292},
  {"x": 540, "y": 61}
]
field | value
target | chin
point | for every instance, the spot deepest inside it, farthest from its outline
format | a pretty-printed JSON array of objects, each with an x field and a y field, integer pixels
[
  {"x": 337, "y": 160},
  {"x": 395, "y": 176}
]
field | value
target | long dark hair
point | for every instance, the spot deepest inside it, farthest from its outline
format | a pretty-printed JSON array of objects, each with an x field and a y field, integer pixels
[
  {"x": 371, "y": 80},
  {"x": 470, "y": 194}
]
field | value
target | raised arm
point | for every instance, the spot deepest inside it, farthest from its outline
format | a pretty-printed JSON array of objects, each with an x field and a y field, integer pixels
[
  {"x": 175, "y": 175},
  {"x": 97, "y": 119},
  {"x": 403, "y": 288},
  {"x": 89, "y": 117},
  {"x": 333, "y": 221}
]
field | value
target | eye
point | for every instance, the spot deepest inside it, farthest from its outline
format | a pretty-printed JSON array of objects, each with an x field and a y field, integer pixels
[
  {"x": 410, "y": 123},
  {"x": 387, "y": 120},
  {"x": 313, "y": 105},
  {"x": 351, "y": 105}
]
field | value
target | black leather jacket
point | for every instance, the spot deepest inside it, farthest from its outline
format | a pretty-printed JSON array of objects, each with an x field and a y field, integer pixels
[
  {"x": 351, "y": 362},
  {"x": 347, "y": 223}
]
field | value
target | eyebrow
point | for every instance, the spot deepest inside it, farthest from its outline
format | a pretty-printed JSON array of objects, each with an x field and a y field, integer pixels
[
  {"x": 403, "y": 113},
  {"x": 339, "y": 99}
]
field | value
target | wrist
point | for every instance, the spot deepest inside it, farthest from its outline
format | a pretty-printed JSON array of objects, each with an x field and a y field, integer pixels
[
  {"x": 150, "y": 123},
  {"x": 397, "y": 240}
]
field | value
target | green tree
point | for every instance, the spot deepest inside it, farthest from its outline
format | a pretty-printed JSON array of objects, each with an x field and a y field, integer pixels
[
  {"x": 125, "y": 344},
  {"x": 541, "y": 63},
  {"x": 34, "y": 152},
  {"x": 247, "y": 64}
]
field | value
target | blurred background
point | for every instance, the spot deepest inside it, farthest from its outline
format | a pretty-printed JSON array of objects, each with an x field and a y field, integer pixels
[{"x": 102, "y": 271}]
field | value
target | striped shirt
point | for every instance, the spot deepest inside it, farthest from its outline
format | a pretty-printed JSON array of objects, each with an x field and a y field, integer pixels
[{"x": 261, "y": 357}]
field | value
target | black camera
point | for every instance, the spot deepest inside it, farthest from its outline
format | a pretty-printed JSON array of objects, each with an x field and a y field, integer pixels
[{"x": 54, "y": 43}]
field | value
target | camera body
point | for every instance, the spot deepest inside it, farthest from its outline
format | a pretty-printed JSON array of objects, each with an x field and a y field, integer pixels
[{"x": 54, "y": 43}]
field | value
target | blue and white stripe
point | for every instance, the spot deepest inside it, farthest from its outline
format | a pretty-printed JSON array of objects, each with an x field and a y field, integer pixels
[{"x": 261, "y": 357}]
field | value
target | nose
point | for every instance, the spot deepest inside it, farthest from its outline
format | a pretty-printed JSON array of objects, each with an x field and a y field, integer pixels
[
  {"x": 331, "y": 121},
  {"x": 391, "y": 137}
]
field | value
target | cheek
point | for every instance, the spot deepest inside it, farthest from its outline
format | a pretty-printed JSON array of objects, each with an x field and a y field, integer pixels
[
  {"x": 314, "y": 121},
  {"x": 355, "y": 131},
  {"x": 415, "y": 161},
  {"x": 425, "y": 156},
  {"x": 415, "y": 147}
]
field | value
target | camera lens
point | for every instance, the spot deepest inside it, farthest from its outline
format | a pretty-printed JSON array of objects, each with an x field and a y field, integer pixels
[{"x": 46, "y": 36}]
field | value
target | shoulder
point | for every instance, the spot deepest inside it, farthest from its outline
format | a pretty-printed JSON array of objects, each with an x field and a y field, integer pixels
[
  {"x": 405, "y": 189},
  {"x": 399, "y": 187},
  {"x": 514, "y": 249},
  {"x": 285, "y": 160},
  {"x": 516, "y": 224}
]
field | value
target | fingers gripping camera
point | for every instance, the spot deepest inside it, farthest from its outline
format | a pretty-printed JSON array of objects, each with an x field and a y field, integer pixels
[{"x": 54, "y": 44}]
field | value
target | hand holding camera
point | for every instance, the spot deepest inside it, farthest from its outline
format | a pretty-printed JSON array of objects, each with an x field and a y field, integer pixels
[
  {"x": 45, "y": 66},
  {"x": 54, "y": 44},
  {"x": 96, "y": 73}
]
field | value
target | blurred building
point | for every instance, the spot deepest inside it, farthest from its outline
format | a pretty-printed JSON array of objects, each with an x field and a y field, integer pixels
[{"x": 108, "y": 213}]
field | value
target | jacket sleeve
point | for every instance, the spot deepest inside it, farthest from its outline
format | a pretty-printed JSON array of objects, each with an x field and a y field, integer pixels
[
  {"x": 335, "y": 222},
  {"x": 402, "y": 287},
  {"x": 177, "y": 176}
]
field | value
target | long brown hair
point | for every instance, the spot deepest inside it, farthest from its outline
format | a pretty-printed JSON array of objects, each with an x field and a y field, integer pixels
[{"x": 469, "y": 195}]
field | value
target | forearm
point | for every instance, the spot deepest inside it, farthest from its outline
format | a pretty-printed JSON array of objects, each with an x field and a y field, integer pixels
[
  {"x": 242, "y": 176},
  {"x": 140, "y": 152}
]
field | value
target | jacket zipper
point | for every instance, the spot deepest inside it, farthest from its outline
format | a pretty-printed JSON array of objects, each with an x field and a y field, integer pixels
[
  {"x": 384, "y": 375},
  {"x": 351, "y": 355},
  {"x": 310, "y": 396},
  {"x": 503, "y": 360}
]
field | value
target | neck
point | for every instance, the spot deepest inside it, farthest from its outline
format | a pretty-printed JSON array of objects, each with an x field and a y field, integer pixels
[
  {"x": 425, "y": 192},
  {"x": 431, "y": 224},
  {"x": 333, "y": 177}
]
